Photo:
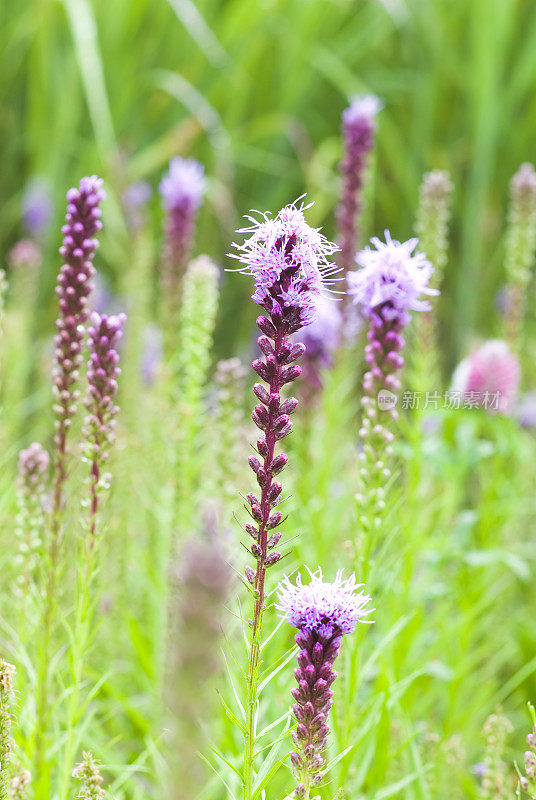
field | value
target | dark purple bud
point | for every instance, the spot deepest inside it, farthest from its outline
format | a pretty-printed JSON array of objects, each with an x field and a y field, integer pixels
[
  {"x": 279, "y": 463},
  {"x": 272, "y": 559},
  {"x": 261, "y": 369},
  {"x": 288, "y": 405},
  {"x": 309, "y": 673},
  {"x": 273, "y": 404},
  {"x": 266, "y": 327},
  {"x": 274, "y": 520},
  {"x": 275, "y": 492},
  {"x": 252, "y": 530},
  {"x": 256, "y": 550},
  {"x": 296, "y": 351},
  {"x": 262, "y": 477},
  {"x": 290, "y": 373},
  {"x": 273, "y": 540},
  {"x": 262, "y": 447},
  {"x": 260, "y": 416},
  {"x": 284, "y": 431},
  {"x": 295, "y": 759},
  {"x": 265, "y": 345},
  {"x": 254, "y": 463},
  {"x": 250, "y": 575},
  {"x": 261, "y": 393}
]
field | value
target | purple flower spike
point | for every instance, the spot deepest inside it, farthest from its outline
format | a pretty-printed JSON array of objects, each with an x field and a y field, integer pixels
[
  {"x": 321, "y": 339},
  {"x": 74, "y": 286},
  {"x": 358, "y": 128},
  {"x": 182, "y": 190},
  {"x": 103, "y": 371},
  {"x": 388, "y": 286},
  {"x": 37, "y": 208},
  {"x": 323, "y": 613},
  {"x": 289, "y": 262}
]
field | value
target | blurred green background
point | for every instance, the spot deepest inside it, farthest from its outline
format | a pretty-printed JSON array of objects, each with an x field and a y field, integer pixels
[{"x": 255, "y": 90}]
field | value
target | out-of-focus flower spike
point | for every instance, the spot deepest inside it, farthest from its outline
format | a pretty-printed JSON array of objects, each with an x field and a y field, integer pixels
[
  {"x": 88, "y": 773},
  {"x": 520, "y": 248},
  {"x": 33, "y": 465},
  {"x": 6, "y": 699}
]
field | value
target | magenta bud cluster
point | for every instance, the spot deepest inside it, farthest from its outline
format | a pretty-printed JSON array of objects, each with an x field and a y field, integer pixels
[
  {"x": 33, "y": 465},
  {"x": 358, "y": 130},
  {"x": 83, "y": 221},
  {"x": 103, "y": 371}
]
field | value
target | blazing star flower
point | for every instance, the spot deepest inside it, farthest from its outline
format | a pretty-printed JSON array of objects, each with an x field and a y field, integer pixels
[
  {"x": 393, "y": 278},
  {"x": 489, "y": 376},
  {"x": 184, "y": 185},
  {"x": 358, "y": 130},
  {"x": 182, "y": 191},
  {"x": 323, "y": 608},
  {"x": 323, "y": 613},
  {"x": 37, "y": 207},
  {"x": 289, "y": 262}
]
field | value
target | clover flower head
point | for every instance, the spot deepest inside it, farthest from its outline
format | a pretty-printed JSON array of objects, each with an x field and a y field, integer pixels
[
  {"x": 491, "y": 371},
  {"x": 392, "y": 278},
  {"x": 327, "y": 609},
  {"x": 184, "y": 185},
  {"x": 289, "y": 261},
  {"x": 363, "y": 109}
]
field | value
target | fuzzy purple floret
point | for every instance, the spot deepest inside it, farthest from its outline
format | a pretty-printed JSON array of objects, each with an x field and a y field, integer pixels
[
  {"x": 392, "y": 278},
  {"x": 184, "y": 185},
  {"x": 323, "y": 608},
  {"x": 289, "y": 262}
]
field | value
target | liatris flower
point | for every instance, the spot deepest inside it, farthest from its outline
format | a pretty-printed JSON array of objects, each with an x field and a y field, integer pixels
[
  {"x": 527, "y": 782},
  {"x": 88, "y": 773},
  {"x": 18, "y": 787},
  {"x": 387, "y": 287},
  {"x": 488, "y": 378},
  {"x": 520, "y": 246},
  {"x": 74, "y": 286},
  {"x": 6, "y": 695},
  {"x": 134, "y": 199},
  {"x": 182, "y": 190},
  {"x": 358, "y": 128},
  {"x": 289, "y": 262},
  {"x": 323, "y": 613},
  {"x": 432, "y": 230},
  {"x": 203, "y": 580},
  {"x": 103, "y": 371},
  {"x": 321, "y": 339},
  {"x": 197, "y": 321},
  {"x": 494, "y": 784},
  {"x": 433, "y": 218},
  {"x": 37, "y": 207},
  {"x": 25, "y": 254},
  {"x": 33, "y": 473},
  {"x": 152, "y": 354}
]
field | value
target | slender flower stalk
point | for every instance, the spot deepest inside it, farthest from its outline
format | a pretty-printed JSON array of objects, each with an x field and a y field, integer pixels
[
  {"x": 358, "y": 129},
  {"x": 102, "y": 374},
  {"x": 182, "y": 190},
  {"x": 203, "y": 580},
  {"x": 323, "y": 613},
  {"x": 432, "y": 229},
  {"x": 34, "y": 464},
  {"x": 6, "y": 698},
  {"x": 19, "y": 785},
  {"x": 82, "y": 222},
  {"x": 494, "y": 784},
  {"x": 88, "y": 773},
  {"x": 432, "y": 222},
  {"x": 527, "y": 781},
  {"x": 488, "y": 378},
  {"x": 289, "y": 262},
  {"x": 197, "y": 322},
  {"x": 321, "y": 339},
  {"x": 520, "y": 248},
  {"x": 388, "y": 286},
  {"x": 74, "y": 287},
  {"x": 103, "y": 371}
]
